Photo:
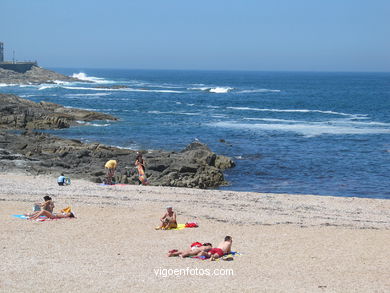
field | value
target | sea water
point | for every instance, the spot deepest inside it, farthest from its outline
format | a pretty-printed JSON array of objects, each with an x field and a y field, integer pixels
[{"x": 288, "y": 132}]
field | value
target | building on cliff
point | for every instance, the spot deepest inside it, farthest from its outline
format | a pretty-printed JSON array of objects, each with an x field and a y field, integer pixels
[
  {"x": 1, "y": 52},
  {"x": 21, "y": 67}
]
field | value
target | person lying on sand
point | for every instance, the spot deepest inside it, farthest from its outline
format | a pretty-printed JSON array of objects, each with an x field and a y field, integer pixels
[
  {"x": 52, "y": 215},
  {"x": 196, "y": 249},
  {"x": 47, "y": 205},
  {"x": 168, "y": 221},
  {"x": 222, "y": 249}
]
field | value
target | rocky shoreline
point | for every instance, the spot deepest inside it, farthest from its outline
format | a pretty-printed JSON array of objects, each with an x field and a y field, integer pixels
[
  {"x": 36, "y": 75},
  {"x": 39, "y": 153}
]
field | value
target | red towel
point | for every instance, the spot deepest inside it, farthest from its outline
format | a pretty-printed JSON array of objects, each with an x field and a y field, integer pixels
[{"x": 191, "y": 225}]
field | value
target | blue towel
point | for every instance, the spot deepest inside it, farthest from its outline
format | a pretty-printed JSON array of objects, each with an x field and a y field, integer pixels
[{"x": 20, "y": 216}]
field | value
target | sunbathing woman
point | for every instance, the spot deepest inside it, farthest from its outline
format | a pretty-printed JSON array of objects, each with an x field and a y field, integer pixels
[
  {"x": 52, "y": 215},
  {"x": 168, "y": 221},
  {"x": 196, "y": 249},
  {"x": 47, "y": 205}
]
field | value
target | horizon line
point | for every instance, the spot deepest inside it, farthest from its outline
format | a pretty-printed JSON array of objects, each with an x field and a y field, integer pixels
[{"x": 217, "y": 70}]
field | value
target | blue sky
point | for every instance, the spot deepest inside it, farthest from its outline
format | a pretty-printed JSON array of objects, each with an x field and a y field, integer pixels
[{"x": 309, "y": 35}]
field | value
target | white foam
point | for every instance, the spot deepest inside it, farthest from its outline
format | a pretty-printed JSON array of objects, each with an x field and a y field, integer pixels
[
  {"x": 273, "y": 120},
  {"x": 120, "y": 89},
  {"x": 220, "y": 90},
  {"x": 88, "y": 95},
  {"x": 199, "y": 88},
  {"x": 188, "y": 113},
  {"x": 258, "y": 91},
  {"x": 309, "y": 129},
  {"x": 7, "y": 84},
  {"x": 92, "y": 124},
  {"x": 215, "y": 90},
  {"x": 83, "y": 76},
  {"x": 47, "y": 86},
  {"x": 355, "y": 116},
  {"x": 174, "y": 113}
]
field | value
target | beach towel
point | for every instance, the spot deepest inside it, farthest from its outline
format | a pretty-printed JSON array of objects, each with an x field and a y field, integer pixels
[
  {"x": 40, "y": 219},
  {"x": 179, "y": 227},
  {"x": 191, "y": 225},
  {"x": 66, "y": 210}
]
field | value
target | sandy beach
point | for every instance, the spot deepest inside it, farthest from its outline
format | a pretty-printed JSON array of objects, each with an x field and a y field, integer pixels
[{"x": 288, "y": 243}]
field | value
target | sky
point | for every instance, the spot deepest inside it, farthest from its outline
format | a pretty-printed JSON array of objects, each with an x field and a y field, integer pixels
[{"x": 277, "y": 35}]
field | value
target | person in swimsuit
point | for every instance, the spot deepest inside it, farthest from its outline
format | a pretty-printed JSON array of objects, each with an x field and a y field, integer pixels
[
  {"x": 52, "y": 215},
  {"x": 47, "y": 205},
  {"x": 168, "y": 221},
  {"x": 139, "y": 160},
  {"x": 140, "y": 163},
  {"x": 222, "y": 249},
  {"x": 196, "y": 249}
]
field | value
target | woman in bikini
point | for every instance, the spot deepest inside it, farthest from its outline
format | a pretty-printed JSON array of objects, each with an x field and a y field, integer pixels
[
  {"x": 52, "y": 215},
  {"x": 196, "y": 249}
]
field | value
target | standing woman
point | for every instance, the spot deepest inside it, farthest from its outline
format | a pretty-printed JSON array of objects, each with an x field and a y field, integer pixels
[{"x": 140, "y": 163}]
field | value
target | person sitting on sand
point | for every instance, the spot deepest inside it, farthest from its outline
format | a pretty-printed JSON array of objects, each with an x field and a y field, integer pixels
[
  {"x": 168, "y": 221},
  {"x": 61, "y": 180},
  {"x": 196, "y": 249},
  {"x": 222, "y": 249},
  {"x": 111, "y": 167},
  {"x": 47, "y": 205},
  {"x": 52, "y": 215}
]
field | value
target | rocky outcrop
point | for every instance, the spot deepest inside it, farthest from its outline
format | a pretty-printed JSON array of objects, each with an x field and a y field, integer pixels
[
  {"x": 18, "y": 113},
  {"x": 36, "y": 75},
  {"x": 37, "y": 153},
  {"x": 196, "y": 166}
]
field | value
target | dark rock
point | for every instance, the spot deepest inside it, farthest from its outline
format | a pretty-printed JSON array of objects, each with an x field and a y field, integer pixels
[
  {"x": 36, "y": 75},
  {"x": 38, "y": 153},
  {"x": 18, "y": 113}
]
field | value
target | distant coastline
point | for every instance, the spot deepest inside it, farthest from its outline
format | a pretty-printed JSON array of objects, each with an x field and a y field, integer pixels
[{"x": 35, "y": 75}]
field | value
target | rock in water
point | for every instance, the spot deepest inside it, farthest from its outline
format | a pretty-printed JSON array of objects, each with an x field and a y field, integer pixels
[
  {"x": 18, "y": 113},
  {"x": 36, "y": 75}
]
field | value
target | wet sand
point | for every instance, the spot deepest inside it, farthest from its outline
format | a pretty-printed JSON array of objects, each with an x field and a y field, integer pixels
[{"x": 288, "y": 243}]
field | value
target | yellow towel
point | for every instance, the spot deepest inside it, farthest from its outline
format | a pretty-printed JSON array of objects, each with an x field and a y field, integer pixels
[
  {"x": 179, "y": 227},
  {"x": 66, "y": 210}
]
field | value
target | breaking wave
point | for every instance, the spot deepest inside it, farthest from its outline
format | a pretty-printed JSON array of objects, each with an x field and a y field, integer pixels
[
  {"x": 258, "y": 91},
  {"x": 355, "y": 116},
  {"x": 215, "y": 90},
  {"x": 93, "y": 124},
  {"x": 83, "y": 76},
  {"x": 309, "y": 129}
]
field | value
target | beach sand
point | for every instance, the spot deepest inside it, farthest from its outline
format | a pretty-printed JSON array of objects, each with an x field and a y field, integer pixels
[{"x": 288, "y": 243}]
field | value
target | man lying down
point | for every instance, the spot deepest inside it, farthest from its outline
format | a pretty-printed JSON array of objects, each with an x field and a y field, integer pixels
[{"x": 206, "y": 250}]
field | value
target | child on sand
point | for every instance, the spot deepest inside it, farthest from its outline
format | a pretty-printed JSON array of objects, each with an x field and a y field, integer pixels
[{"x": 168, "y": 221}]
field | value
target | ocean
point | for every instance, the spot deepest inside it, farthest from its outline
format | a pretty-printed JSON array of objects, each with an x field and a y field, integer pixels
[{"x": 288, "y": 132}]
